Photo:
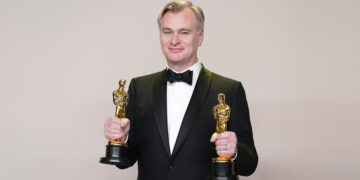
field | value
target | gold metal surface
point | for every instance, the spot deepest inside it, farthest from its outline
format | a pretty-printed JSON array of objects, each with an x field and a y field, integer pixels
[
  {"x": 221, "y": 115},
  {"x": 219, "y": 160},
  {"x": 120, "y": 99}
]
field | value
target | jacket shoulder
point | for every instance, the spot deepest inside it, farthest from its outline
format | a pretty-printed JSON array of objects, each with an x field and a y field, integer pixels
[
  {"x": 223, "y": 81},
  {"x": 148, "y": 79}
]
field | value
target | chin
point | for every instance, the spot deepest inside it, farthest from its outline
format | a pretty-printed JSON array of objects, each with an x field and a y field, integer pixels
[{"x": 175, "y": 59}]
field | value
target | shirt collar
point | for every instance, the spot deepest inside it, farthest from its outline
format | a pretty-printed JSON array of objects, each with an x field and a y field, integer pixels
[{"x": 195, "y": 68}]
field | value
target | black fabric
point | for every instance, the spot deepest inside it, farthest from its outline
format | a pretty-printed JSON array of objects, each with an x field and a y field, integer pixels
[
  {"x": 191, "y": 158},
  {"x": 179, "y": 77}
]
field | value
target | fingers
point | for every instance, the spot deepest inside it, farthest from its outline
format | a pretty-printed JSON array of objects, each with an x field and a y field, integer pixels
[
  {"x": 115, "y": 128},
  {"x": 114, "y": 120},
  {"x": 213, "y": 137},
  {"x": 226, "y": 149},
  {"x": 225, "y": 135},
  {"x": 225, "y": 143}
]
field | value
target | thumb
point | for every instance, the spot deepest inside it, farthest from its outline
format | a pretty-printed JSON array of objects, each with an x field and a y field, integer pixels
[
  {"x": 214, "y": 137},
  {"x": 124, "y": 122}
]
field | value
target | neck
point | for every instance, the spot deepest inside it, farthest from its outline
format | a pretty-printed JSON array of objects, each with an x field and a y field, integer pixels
[{"x": 179, "y": 67}]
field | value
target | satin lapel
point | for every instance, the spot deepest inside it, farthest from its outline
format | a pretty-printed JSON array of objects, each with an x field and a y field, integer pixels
[
  {"x": 160, "y": 110},
  {"x": 196, "y": 102}
]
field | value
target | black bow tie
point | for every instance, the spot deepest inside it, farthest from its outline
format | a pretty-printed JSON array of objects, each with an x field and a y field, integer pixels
[{"x": 184, "y": 77}]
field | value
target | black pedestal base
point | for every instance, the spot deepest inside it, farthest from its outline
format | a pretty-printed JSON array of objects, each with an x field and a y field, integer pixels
[
  {"x": 222, "y": 171},
  {"x": 116, "y": 155}
]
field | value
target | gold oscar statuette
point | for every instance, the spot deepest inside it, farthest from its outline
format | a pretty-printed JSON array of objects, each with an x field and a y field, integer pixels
[
  {"x": 120, "y": 99},
  {"x": 222, "y": 115},
  {"x": 116, "y": 150},
  {"x": 222, "y": 166}
]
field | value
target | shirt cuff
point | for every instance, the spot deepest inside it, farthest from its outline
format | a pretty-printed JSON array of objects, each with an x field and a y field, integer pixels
[
  {"x": 235, "y": 155},
  {"x": 127, "y": 137}
]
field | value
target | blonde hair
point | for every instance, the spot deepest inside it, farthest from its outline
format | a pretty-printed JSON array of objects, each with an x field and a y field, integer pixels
[{"x": 177, "y": 6}]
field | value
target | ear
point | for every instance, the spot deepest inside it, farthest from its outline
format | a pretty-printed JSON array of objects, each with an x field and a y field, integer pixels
[{"x": 201, "y": 37}]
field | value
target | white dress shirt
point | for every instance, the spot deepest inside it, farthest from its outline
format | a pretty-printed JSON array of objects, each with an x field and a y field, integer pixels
[{"x": 178, "y": 98}]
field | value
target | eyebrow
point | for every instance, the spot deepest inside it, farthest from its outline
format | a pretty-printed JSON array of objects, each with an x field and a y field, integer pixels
[
  {"x": 182, "y": 29},
  {"x": 165, "y": 28}
]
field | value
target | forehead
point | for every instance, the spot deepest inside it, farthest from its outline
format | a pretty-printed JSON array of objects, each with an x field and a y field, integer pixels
[{"x": 181, "y": 19}]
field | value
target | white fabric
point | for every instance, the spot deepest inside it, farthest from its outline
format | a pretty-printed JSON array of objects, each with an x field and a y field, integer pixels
[{"x": 178, "y": 98}]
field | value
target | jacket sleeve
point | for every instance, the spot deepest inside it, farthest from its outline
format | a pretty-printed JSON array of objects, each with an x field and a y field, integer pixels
[
  {"x": 247, "y": 158},
  {"x": 131, "y": 115}
]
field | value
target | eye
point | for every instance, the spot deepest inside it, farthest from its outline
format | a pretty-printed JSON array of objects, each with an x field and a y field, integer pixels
[
  {"x": 167, "y": 32},
  {"x": 184, "y": 32}
]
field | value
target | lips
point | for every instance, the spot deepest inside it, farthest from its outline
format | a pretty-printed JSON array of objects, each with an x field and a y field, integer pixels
[{"x": 175, "y": 50}]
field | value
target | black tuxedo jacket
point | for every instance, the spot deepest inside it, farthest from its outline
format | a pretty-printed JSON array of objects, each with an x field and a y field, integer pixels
[{"x": 192, "y": 155}]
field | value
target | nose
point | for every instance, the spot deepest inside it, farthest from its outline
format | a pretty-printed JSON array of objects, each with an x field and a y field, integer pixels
[{"x": 175, "y": 40}]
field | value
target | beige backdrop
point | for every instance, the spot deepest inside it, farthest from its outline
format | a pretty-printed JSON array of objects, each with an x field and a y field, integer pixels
[{"x": 61, "y": 59}]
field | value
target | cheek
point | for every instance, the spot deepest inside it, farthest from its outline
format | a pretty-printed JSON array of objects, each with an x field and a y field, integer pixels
[
  {"x": 192, "y": 42},
  {"x": 163, "y": 46},
  {"x": 163, "y": 40}
]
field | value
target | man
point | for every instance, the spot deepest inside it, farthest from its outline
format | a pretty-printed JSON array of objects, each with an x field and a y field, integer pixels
[{"x": 170, "y": 125}]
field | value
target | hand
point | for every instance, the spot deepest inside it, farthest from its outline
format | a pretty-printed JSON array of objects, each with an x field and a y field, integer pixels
[
  {"x": 225, "y": 143},
  {"x": 115, "y": 128}
]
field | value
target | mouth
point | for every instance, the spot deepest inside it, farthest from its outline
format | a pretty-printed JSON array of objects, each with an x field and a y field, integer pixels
[{"x": 175, "y": 50}]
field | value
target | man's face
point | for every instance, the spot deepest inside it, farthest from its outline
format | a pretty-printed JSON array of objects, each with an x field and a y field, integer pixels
[{"x": 179, "y": 37}]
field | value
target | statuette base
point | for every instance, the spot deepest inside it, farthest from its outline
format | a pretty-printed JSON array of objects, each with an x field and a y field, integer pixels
[
  {"x": 222, "y": 170},
  {"x": 116, "y": 155}
]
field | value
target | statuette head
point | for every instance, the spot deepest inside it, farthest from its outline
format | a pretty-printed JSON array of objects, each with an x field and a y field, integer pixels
[{"x": 221, "y": 98}]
